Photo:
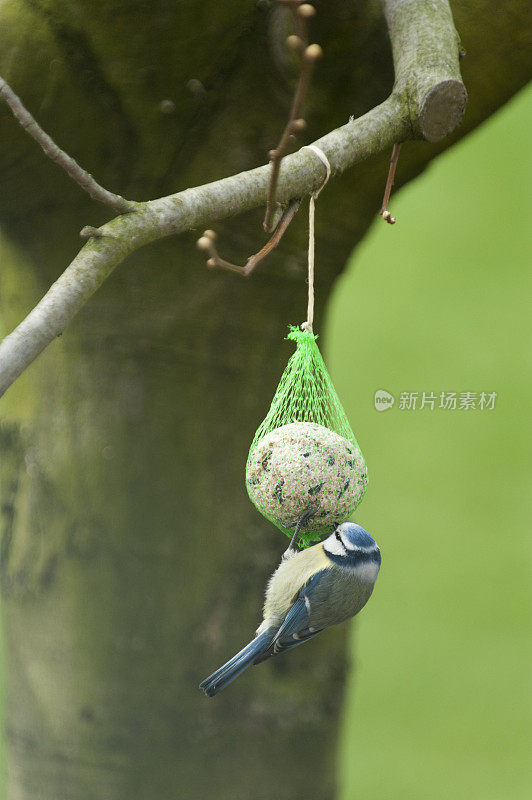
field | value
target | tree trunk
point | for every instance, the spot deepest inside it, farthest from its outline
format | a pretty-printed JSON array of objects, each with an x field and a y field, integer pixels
[{"x": 132, "y": 561}]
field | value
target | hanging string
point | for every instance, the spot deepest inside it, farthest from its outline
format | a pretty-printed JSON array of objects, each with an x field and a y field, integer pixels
[{"x": 307, "y": 325}]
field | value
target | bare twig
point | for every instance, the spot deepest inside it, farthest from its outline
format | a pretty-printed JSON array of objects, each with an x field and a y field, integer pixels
[
  {"x": 428, "y": 101},
  {"x": 71, "y": 167},
  {"x": 309, "y": 55},
  {"x": 385, "y": 214},
  {"x": 206, "y": 242}
]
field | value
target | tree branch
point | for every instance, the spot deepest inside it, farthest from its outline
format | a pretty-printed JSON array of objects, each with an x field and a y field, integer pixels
[
  {"x": 62, "y": 159},
  {"x": 428, "y": 100},
  {"x": 426, "y": 52}
]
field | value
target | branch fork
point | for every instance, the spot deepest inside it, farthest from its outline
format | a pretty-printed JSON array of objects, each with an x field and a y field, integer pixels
[
  {"x": 78, "y": 174},
  {"x": 207, "y": 244}
]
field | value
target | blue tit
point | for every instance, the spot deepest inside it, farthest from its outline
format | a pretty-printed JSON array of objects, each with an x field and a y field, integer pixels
[{"x": 309, "y": 591}]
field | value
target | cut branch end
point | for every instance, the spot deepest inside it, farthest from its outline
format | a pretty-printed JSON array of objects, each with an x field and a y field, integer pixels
[{"x": 442, "y": 110}]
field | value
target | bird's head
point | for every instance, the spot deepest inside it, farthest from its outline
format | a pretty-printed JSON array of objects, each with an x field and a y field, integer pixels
[{"x": 352, "y": 548}]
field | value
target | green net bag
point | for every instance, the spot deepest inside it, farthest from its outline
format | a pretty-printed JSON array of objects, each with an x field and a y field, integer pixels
[{"x": 304, "y": 466}]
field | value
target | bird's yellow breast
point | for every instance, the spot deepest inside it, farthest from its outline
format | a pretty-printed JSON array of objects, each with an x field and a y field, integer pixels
[{"x": 288, "y": 579}]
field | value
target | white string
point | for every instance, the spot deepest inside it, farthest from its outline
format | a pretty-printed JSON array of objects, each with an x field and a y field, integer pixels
[{"x": 307, "y": 325}]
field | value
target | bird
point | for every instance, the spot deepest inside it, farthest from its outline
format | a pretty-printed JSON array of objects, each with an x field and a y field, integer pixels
[{"x": 309, "y": 591}]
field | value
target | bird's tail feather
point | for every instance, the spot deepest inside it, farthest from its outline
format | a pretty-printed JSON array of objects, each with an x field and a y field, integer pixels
[{"x": 227, "y": 673}]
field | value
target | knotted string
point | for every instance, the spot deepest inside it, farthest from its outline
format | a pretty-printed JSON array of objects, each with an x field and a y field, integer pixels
[{"x": 307, "y": 325}]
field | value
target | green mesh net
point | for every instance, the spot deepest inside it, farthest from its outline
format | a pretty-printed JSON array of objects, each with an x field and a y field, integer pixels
[{"x": 304, "y": 466}]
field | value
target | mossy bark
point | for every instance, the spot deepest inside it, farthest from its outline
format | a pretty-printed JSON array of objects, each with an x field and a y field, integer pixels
[
  {"x": 133, "y": 563},
  {"x": 132, "y": 560}
]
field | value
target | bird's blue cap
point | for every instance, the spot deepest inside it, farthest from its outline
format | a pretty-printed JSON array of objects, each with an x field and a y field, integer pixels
[
  {"x": 352, "y": 546},
  {"x": 356, "y": 535}
]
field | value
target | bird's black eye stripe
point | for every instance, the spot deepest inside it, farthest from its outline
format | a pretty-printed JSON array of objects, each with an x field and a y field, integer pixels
[{"x": 338, "y": 537}]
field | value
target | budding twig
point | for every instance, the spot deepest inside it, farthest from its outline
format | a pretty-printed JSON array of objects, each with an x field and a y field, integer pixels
[
  {"x": 71, "y": 167},
  {"x": 206, "y": 242},
  {"x": 385, "y": 214},
  {"x": 302, "y": 12}
]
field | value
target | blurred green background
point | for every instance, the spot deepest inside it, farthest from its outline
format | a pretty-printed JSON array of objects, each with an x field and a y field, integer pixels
[{"x": 439, "y": 702}]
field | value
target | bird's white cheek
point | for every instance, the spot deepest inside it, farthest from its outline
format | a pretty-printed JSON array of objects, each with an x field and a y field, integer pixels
[
  {"x": 334, "y": 547},
  {"x": 367, "y": 571}
]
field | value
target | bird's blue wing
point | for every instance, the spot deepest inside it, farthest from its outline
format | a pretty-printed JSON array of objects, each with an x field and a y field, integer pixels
[
  {"x": 294, "y": 629},
  {"x": 297, "y": 618},
  {"x": 285, "y": 644}
]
